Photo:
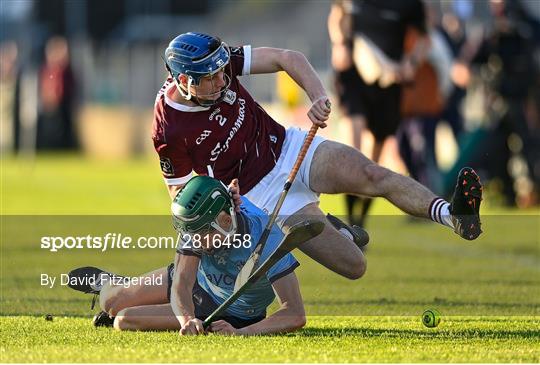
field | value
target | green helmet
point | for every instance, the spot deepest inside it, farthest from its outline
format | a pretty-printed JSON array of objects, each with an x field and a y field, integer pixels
[{"x": 197, "y": 205}]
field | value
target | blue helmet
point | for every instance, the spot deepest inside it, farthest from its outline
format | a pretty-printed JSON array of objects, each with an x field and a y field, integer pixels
[{"x": 197, "y": 55}]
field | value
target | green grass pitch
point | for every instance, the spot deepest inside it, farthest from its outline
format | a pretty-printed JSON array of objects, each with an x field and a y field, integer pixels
[{"x": 487, "y": 291}]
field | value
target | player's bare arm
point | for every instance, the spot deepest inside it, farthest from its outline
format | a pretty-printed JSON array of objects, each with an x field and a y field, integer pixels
[
  {"x": 289, "y": 317},
  {"x": 181, "y": 294},
  {"x": 296, "y": 65}
]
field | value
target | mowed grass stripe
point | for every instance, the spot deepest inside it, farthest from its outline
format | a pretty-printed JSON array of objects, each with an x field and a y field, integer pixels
[{"x": 325, "y": 339}]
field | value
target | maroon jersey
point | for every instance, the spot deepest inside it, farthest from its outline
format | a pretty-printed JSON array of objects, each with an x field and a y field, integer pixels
[{"x": 236, "y": 138}]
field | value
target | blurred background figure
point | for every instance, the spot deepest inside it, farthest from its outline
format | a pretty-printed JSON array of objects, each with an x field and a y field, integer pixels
[
  {"x": 367, "y": 56},
  {"x": 347, "y": 81},
  {"x": 57, "y": 93},
  {"x": 433, "y": 95},
  {"x": 506, "y": 148},
  {"x": 9, "y": 97}
]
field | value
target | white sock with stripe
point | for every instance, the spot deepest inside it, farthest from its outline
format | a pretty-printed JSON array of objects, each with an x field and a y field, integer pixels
[{"x": 439, "y": 211}]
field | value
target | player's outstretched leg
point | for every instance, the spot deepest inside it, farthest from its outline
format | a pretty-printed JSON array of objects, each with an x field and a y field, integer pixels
[
  {"x": 159, "y": 317},
  {"x": 337, "y": 168}
]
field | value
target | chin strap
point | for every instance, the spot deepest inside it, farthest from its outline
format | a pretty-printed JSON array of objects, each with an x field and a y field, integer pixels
[
  {"x": 180, "y": 90},
  {"x": 185, "y": 95}
]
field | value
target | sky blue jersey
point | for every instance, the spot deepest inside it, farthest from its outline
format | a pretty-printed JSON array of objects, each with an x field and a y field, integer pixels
[{"x": 217, "y": 272}]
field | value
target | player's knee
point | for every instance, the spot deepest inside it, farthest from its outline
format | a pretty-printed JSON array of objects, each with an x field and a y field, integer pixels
[
  {"x": 356, "y": 268},
  {"x": 376, "y": 176},
  {"x": 361, "y": 269}
]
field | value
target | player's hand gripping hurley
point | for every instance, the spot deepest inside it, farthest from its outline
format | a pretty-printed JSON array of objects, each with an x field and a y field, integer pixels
[{"x": 253, "y": 260}]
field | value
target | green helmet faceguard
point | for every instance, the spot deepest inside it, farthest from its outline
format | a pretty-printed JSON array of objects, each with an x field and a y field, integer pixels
[{"x": 197, "y": 205}]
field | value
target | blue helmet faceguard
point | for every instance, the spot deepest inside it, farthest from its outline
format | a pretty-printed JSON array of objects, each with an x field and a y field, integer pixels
[{"x": 197, "y": 55}]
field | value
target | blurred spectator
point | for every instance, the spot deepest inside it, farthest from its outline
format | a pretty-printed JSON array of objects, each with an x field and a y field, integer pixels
[
  {"x": 9, "y": 97},
  {"x": 347, "y": 81},
  {"x": 453, "y": 30},
  {"x": 507, "y": 149},
  {"x": 435, "y": 95},
  {"x": 57, "y": 90},
  {"x": 367, "y": 55}
]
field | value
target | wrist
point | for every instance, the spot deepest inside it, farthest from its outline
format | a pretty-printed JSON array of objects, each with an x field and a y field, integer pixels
[
  {"x": 242, "y": 331},
  {"x": 184, "y": 319},
  {"x": 319, "y": 98}
]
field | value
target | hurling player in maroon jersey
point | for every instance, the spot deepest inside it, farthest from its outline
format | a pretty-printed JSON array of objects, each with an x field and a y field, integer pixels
[{"x": 206, "y": 122}]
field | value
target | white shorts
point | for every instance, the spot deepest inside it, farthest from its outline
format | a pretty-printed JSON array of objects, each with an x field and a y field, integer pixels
[{"x": 266, "y": 193}]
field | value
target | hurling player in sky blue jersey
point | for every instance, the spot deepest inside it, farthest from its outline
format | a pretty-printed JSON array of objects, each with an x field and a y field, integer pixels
[{"x": 217, "y": 241}]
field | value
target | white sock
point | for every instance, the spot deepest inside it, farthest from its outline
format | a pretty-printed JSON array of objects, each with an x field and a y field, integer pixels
[
  {"x": 439, "y": 211},
  {"x": 345, "y": 232}
]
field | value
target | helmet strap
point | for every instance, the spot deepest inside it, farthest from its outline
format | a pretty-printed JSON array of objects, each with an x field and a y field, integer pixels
[{"x": 186, "y": 95}]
